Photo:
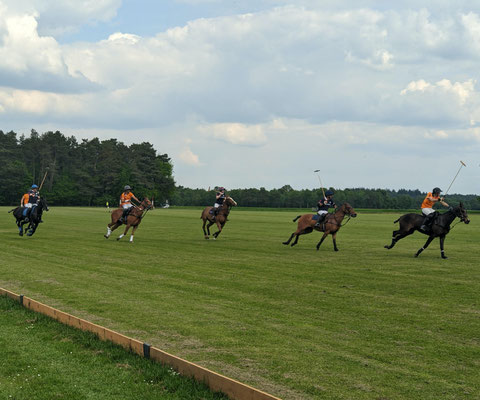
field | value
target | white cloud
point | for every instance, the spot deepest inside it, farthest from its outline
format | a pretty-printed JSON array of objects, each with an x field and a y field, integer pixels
[
  {"x": 350, "y": 75},
  {"x": 240, "y": 134},
  {"x": 188, "y": 157}
]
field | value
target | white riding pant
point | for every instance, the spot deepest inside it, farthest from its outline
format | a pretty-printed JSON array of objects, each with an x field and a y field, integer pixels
[
  {"x": 321, "y": 212},
  {"x": 427, "y": 211},
  {"x": 28, "y": 205},
  {"x": 216, "y": 205},
  {"x": 126, "y": 206}
]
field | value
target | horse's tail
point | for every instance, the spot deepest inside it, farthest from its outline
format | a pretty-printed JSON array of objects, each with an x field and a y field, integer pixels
[
  {"x": 297, "y": 217},
  {"x": 12, "y": 210},
  {"x": 396, "y": 220}
]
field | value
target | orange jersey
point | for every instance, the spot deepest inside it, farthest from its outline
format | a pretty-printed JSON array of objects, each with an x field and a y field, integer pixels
[
  {"x": 126, "y": 198},
  {"x": 24, "y": 200},
  {"x": 427, "y": 203}
]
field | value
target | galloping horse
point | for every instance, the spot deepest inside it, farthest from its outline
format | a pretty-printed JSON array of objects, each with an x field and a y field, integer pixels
[
  {"x": 331, "y": 225},
  {"x": 412, "y": 222},
  {"x": 33, "y": 219},
  {"x": 220, "y": 219},
  {"x": 133, "y": 219}
]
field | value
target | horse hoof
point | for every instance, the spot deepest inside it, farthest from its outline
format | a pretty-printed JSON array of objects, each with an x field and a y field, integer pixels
[
  {"x": 20, "y": 233},
  {"x": 444, "y": 257},
  {"x": 106, "y": 237},
  {"x": 118, "y": 238}
]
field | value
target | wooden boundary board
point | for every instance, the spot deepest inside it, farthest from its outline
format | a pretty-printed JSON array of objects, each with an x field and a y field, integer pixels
[{"x": 216, "y": 382}]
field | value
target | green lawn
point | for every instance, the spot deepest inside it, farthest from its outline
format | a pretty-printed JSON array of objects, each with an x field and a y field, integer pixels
[
  {"x": 44, "y": 360},
  {"x": 362, "y": 323}
]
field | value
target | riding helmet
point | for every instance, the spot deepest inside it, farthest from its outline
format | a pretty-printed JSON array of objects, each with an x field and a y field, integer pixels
[
  {"x": 127, "y": 188},
  {"x": 34, "y": 187},
  {"x": 329, "y": 193},
  {"x": 436, "y": 190}
]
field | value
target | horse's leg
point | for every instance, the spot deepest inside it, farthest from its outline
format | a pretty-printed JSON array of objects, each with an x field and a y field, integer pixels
[
  {"x": 325, "y": 234},
  {"x": 290, "y": 239},
  {"x": 302, "y": 232},
  {"x": 109, "y": 230},
  {"x": 20, "y": 227},
  {"x": 397, "y": 235},
  {"x": 220, "y": 227},
  {"x": 204, "y": 231},
  {"x": 442, "y": 240},
  {"x": 127, "y": 227},
  {"x": 133, "y": 232},
  {"x": 334, "y": 238},
  {"x": 210, "y": 223},
  {"x": 429, "y": 240}
]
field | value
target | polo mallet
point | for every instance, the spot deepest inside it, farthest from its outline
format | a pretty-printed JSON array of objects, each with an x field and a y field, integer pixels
[
  {"x": 462, "y": 164},
  {"x": 320, "y": 180},
  {"x": 43, "y": 180}
]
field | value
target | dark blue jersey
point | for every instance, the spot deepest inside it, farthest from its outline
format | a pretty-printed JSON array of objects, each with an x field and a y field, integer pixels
[
  {"x": 221, "y": 199},
  {"x": 33, "y": 197},
  {"x": 325, "y": 204}
]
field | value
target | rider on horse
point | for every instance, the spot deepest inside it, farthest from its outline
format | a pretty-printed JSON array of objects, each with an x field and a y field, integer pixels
[
  {"x": 323, "y": 205},
  {"x": 30, "y": 200},
  {"x": 219, "y": 199},
  {"x": 427, "y": 208},
  {"x": 126, "y": 202}
]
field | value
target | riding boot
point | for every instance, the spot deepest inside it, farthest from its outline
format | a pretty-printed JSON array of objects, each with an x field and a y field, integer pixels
[
  {"x": 319, "y": 223},
  {"x": 123, "y": 218},
  {"x": 215, "y": 212},
  {"x": 428, "y": 221}
]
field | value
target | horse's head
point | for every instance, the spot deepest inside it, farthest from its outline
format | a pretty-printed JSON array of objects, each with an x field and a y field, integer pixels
[
  {"x": 43, "y": 204},
  {"x": 230, "y": 202},
  {"x": 461, "y": 213},
  {"x": 146, "y": 203},
  {"x": 348, "y": 209}
]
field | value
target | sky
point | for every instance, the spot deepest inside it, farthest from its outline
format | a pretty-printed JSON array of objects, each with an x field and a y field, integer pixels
[{"x": 257, "y": 93}]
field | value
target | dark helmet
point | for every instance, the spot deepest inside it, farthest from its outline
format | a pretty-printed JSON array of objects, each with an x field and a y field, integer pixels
[
  {"x": 436, "y": 190},
  {"x": 127, "y": 188},
  {"x": 221, "y": 189},
  {"x": 329, "y": 193}
]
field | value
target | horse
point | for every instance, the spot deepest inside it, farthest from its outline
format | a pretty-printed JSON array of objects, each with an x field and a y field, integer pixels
[
  {"x": 330, "y": 226},
  {"x": 133, "y": 219},
  {"x": 220, "y": 219},
  {"x": 33, "y": 219},
  {"x": 411, "y": 222}
]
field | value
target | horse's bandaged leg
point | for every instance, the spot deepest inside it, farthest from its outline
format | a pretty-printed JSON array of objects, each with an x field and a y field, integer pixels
[{"x": 131, "y": 238}]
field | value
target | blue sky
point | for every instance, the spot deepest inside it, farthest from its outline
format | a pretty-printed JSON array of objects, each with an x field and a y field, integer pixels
[{"x": 256, "y": 93}]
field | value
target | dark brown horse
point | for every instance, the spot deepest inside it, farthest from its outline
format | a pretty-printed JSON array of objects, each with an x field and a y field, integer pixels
[
  {"x": 133, "y": 219},
  {"x": 412, "y": 222},
  {"x": 331, "y": 225},
  {"x": 220, "y": 219}
]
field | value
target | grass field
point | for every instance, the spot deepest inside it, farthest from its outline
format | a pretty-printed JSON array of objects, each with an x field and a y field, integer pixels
[
  {"x": 362, "y": 323},
  {"x": 44, "y": 360}
]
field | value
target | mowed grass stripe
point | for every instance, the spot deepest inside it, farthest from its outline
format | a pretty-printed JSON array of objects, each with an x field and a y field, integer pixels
[
  {"x": 43, "y": 359},
  {"x": 361, "y": 323}
]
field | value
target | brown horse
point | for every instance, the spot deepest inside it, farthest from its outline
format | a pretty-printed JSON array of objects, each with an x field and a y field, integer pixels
[
  {"x": 133, "y": 219},
  {"x": 220, "y": 219},
  {"x": 331, "y": 225}
]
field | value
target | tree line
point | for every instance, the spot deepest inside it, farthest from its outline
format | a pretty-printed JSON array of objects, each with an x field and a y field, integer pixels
[
  {"x": 94, "y": 172},
  {"x": 287, "y": 197},
  {"x": 86, "y": 173}
]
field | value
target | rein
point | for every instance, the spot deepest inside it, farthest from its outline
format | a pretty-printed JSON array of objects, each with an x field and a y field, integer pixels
[{"x": 349, "y": 218}]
